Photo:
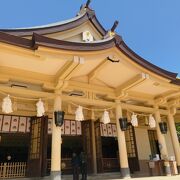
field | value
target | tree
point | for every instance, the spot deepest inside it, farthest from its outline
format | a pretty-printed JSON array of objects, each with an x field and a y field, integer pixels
[{"x": 178, "y": 130}]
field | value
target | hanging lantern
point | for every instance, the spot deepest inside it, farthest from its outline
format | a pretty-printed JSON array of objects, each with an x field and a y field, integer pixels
[
  {"x": 40, "y": 108},
  {"x": 134, "y": 120},
  {"x": 123, "y": 124},
  {"x": 163, "y": 127},
  {"x": 7, "y": 105},
  {"x": 152, "y": 122},
  {"x": 59, "y": 118},
  {"x": 79, "y": 114},
  {"x": 105, "y": 117}
]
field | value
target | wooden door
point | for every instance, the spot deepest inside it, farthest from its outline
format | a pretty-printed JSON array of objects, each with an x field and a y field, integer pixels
[
  {"x": 87, "y": 143},
  {"x": 153, "y": 140},
  {"x": 37, "y": 156},
  {"x": 98, "y": 147},
  {"x": 132, "y": 149}
]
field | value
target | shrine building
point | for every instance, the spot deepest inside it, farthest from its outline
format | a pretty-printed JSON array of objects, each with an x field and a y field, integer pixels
[{"x": 74, "y": 86}]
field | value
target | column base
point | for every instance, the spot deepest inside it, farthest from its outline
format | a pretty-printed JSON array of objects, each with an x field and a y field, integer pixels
[
  {"x": 167, "y": 170},
  {"x": 55, "y": 175},
  {"x": 125, "y": 173},
  {"x": 178, "y": 168}
]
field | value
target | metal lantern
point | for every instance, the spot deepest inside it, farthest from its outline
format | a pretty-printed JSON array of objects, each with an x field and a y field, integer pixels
[
  {"x": 59, "y": 118},
  {"x": 163, "y": 127},
  {"x": 123, "y": 124}
]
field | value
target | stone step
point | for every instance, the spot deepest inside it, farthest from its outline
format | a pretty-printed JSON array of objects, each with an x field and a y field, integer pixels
[{"x": 104, "y": 176}]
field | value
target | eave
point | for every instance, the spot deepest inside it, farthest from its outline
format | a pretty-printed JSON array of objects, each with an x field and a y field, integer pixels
[
  {"x": 144, "y": 63},
  {"x": 40, "y": 40},
  {"x": 106, "y": 44}
]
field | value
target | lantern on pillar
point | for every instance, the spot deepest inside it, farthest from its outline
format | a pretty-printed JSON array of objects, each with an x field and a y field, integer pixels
[
  {"x": 163, "y": 127},
  {"x": 59, "y": 118},
  {"x": 123, "y": 124}
]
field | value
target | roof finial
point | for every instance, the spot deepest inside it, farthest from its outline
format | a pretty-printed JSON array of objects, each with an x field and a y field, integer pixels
[
  {"x": 84, "y": 7},
  {"x": 87, "y": 3},
  {"x": 114, "y": 26},
  {"x": 111, "y": 32}
]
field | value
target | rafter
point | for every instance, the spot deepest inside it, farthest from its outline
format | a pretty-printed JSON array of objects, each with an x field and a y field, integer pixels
[
  {"x": 163, "y": 99},
  {"x": 95, "y": 71},
  {"x": 91, "y": 87},
  {"x": 68, "y": 70},
  {"x": 137, "y": 80}
]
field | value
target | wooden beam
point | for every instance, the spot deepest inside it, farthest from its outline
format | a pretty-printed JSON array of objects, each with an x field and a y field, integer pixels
[
  {"x": 137, "y": 80},
  {"x": 167, "y": 97},
  {"x": 68, "y": 70},
  {"x": 91, "y": 87},
  {"x": 25, "y": 93},
  {"x": 104, "y": 104},
  {"x": 95, "y": 71}
]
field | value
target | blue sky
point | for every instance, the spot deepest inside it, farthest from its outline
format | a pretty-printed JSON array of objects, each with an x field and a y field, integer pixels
[{"x": 150, "y": 27}]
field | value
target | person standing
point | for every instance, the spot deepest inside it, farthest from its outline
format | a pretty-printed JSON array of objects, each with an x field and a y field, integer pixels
[
  {"x": 83, "y": 163},
  {"x": 75, "y": 165}
]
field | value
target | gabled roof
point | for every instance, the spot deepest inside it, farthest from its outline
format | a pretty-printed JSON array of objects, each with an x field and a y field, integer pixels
[
  {"x": 14, "y": 37},
  {"x": 88, "y": 15}
]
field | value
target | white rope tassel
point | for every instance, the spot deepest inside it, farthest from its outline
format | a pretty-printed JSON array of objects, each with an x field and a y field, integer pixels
[
  {"x": 134, "y": 120},
  {"x": 7, "y": 105},
  {"x": 152, "y": 122},
  {"x": 79, "y": 114},
  {"x": 105, "y": 117},
  {"x": 40, "y": 108}
]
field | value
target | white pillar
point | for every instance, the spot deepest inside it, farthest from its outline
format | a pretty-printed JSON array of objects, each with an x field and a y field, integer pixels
[
  {"x": 56, "y": 143},
  {"x": 162, "y": 142},
  {"x": 174, "y": 138},
  {"x": 123, "y": 158}
]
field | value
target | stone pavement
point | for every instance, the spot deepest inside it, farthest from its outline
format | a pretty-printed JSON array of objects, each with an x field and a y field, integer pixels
[
  {"x": 158, "y": 178},
  {"x": 133, "y": 178},
  {"x": 109, "y": 176}
]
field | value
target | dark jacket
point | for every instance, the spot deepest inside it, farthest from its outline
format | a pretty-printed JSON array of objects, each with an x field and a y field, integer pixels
[{"x": 75, "y": 161}]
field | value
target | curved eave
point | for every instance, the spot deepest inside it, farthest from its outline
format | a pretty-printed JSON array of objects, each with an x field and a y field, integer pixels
[
  {"x": 144, "y": 63},
  {"x": 176, "y": 81},
  {"x": 15, "y": 40},
  {"x": 40, "y": 40},
  {"x": 89, "y": 15}
]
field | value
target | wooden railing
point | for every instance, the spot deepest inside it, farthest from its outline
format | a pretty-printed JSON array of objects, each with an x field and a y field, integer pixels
[{"x": 12, "y": 169}]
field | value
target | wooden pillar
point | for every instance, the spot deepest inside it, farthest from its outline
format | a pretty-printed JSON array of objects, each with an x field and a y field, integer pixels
[
  {"x": 56, "y": 143},
  {"x": 123, "y": 158},
  {"x": 174, "y": 138},
  {"x": 162, "y": 142},
  {"x": 94, "y": 149}
]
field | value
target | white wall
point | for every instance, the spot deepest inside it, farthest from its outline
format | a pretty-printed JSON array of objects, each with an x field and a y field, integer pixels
[{"x": 143, "y": 145}]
